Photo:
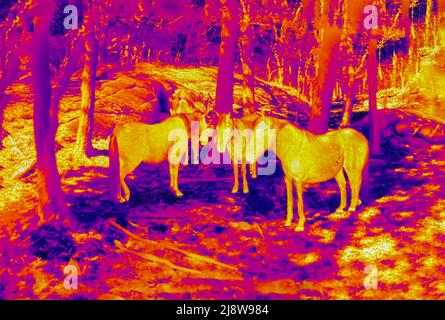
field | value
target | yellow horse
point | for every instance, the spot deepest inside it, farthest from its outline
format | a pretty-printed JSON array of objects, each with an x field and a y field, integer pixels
[
  {"x": 307, "y": 158},
  {"x": 137, "y": 142},
  {"x": 233, "y": 130}
]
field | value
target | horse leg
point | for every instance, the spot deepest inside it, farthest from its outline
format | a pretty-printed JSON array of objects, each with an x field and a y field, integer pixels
[
  {"x": 301, "y": 218},
  {"x": 355, "y": 181},
  {"x": 252, "y": 169},
  {"x": 126, "y": 169},
  {"x": 235, "y": 177},
  {"x": 354, "y": 165},
  {"x": 174, "y": 169},
  {"x": 244, "y": 173},
  {"x": 341, "y": 181},
  {"x": 170, "y": 169},
  {"x": 178, "y": 192},
  {"x": 290, "y": 201}
]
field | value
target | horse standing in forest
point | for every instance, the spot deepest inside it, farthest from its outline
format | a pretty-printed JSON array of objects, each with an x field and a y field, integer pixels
[
  {"x": 230, "y": 129},
  {"x": 307, "y": 158},
  {"x": 137, "y": 142}
]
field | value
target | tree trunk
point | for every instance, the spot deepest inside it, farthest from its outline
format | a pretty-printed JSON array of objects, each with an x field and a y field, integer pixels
[
  {"x": 52, "y": 203},
  {"x": 85, "y": 129},
  {"x": 441, "y": 22},
  {"x": 348, "y": 97},
  {"x": 280, "y": 67},
  {"x": 247, "y": 53},
  {"x": 10, "y": 68},
  {"x": 10, "y": 46},
  {"x": 374, "y": 131},
  {"x": 429, "y": 28},
  {"x": 225, "y": 78},
  {"x": 324, "y": 83},
  {"x": 309, "y": 10},
  {"x": 405, "y": 21}
]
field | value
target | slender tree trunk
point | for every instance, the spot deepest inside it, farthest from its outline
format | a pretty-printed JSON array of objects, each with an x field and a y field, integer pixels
[
  {"x": 280, "y": 68},
  {"x": 348, "y": 69},
  {"x": 348, "y": 99},
  {"x": 225, "y": 78},
  {"x": 309, "y": 10},
  {"x": 269, "y": 70},
  {"x": 104, "y": 44},
  {"x": 52, "y": 203},
  {"x": 247, "y": 53},
  {"x": 429, "y": 34},
  {"x": 324, "y": 83},
  {"x": 406, "y": 22},
  {"x": 441, "y": 22},
  {"x": 10, "y": 45},
  {"x": 10, "y": 68},
  {"x": 374, "y": 131},
  {"x": 85, "y": 129}
]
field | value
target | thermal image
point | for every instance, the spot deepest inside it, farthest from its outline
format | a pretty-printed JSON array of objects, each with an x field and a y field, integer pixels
[{"x": 222, "y": 150}]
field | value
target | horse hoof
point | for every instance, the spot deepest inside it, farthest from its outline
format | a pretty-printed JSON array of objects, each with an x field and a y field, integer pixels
[
  {"x": 124, "y": 199},
  {"x": 288, "y": 223},
  {"x": 179, "y": 194},
  {"x": 353, "y": 209},
  {"x": 235, "y": 190},
  {"x": 299, "y": 228},
  {"x": 245, "y": 190},
  {"x": 340, "y": 210}
]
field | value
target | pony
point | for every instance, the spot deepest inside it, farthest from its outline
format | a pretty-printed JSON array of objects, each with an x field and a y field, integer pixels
[
  {"x": 231, "y": 129},
  {"x": 307, "y": 158},
  {"x": 137, "y": 142}
]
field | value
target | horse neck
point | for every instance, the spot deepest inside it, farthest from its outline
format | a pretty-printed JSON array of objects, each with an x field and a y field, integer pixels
[
  {"x": 282, "y": 138},
  {"x": 187, "y": 118},
  {"x": 278, "y": 124}
]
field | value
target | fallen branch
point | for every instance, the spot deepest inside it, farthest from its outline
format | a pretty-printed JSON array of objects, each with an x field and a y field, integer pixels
[
  {"x": 153, "y": 258},
  {"x": 137, "y": 226},
  {"x": 27, "y": 171},
  {"x": 259, "y": 229},
  {"x": 422, "y": 114},
  {"x": 189, "y": 254}
]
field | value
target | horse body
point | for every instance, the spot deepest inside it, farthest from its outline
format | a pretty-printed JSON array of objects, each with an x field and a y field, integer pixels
[
  {"x": 228, "y": 128},
  {"x": 136, "y": 142},
  {"x": 307, "y": 158},
  {"x": 313, "y": 159}
]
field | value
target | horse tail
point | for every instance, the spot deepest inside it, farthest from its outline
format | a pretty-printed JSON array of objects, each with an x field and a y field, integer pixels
[
  {"x": 355, "y": 145},
  {"x": 114, "y": 169}
]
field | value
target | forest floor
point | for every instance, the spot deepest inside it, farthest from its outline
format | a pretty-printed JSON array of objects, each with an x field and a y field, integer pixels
[{"x": 212, "y": 243}]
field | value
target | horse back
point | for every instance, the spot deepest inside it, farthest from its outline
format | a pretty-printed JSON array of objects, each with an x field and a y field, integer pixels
[
  {"x": 353, "y": 142},
  {"x": 307, "y": 157},
  {"x": 141, "y": 142}
]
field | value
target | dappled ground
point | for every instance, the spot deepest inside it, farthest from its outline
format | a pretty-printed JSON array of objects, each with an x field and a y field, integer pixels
[{"x": 211, "y": 243}]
